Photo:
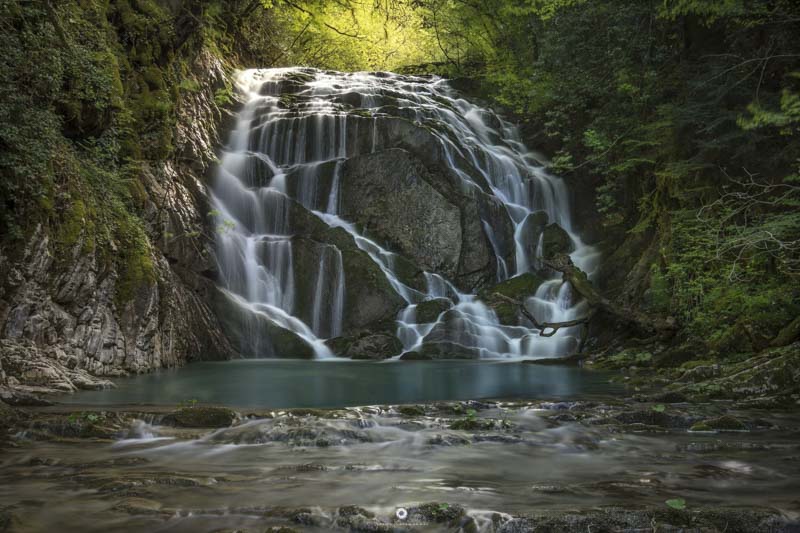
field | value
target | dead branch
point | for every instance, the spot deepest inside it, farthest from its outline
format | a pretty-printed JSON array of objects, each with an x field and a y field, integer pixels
[{"x": 543, "y": 326}]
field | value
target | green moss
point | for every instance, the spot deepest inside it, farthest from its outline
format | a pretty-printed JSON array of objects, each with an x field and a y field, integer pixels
[
  {"x": 154, "y": 77},
  {"x": 223, "y": 97},
  {"x": 696, "y": 363},
  {"x": 725, "y": 423},
  {"x": 71, "y": 228},
  {"x": 411, "y": 410},
  {"x": 429, "y": 310},
  {"x": 517, "y": 287},
  {"x": 197, "y": 416},
  {"x": 625, "y": 359},
  {"x": 134, "y": 263}
]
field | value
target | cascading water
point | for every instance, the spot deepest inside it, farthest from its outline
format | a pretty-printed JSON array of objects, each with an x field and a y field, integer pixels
[{"x": 298, "y": 128}]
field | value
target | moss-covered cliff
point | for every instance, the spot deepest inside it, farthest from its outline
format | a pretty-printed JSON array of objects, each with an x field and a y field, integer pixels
[{"x": 108, "y": 125}]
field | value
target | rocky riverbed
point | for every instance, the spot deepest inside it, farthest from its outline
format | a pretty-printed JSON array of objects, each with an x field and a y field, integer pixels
[{"x": 656, "y": 463}]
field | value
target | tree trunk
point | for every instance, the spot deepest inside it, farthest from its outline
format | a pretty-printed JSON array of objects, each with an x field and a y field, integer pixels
[{"x": 659, "y": 327}]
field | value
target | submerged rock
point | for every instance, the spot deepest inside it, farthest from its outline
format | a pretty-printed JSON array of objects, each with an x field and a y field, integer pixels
[
  {"x": 728, "y": 519},
  {"x": 724, "y": 423}
]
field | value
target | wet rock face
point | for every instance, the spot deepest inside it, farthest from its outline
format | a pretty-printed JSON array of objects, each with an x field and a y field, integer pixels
[
  {"x": 367, "y": 346},
  {"x": 60, "y": 315},
  {"x": 555, "y": 241},
  {"x": 389, "y": 194},
  {"x": 201, "y": 417},
  {"x": 255, "y": 335}
]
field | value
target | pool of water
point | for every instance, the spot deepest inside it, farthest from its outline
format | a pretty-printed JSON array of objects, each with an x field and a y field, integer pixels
[{"x": 294, "y": 383}]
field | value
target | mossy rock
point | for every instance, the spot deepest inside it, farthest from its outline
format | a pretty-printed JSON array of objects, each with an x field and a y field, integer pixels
[
  {"x": 677, "y": 356},
  {"x": 411, "y": 410},
  {"x": 201, "y": 417},
  {"x": 517, "y": 288},
  {"x": 366, "y": 345},
  {"x": 429, "y": 310},
  {"x": 443, "y": 350},
  {"x": 254, "y": 334},
  {"x": 472, "y": 424},
  {"x": 624, "y": 359},
  {"x": 725, "y": 423},
  {"x": 439, "y": 513},
  {"x": 555, "y": 241},
  {"x": 651, "y": 417},
  {"x": 377, "y": 346},
  {"x": 83, "y": 425}
]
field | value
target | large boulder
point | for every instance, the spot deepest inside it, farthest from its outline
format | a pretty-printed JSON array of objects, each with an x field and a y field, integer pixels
[
  {"x": 466, "y": 189},
  {"x": 438, "y": 350},
  {"x": 518, "y": 288},
  {"x": 254, "y": 334},
  {"x": 369, "y": 297},
  {"x": 389, "y": 195},
  {"x": 530, "y": 232},
  {"x": 367, "y": 345},
  {"x": 555, "y": 241},
  {"x": 429, "y": 310}
]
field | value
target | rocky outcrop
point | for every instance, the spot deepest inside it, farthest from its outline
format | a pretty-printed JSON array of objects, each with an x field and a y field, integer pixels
[
  {"x": 517, "y": 288},
  {"x": 369, "y": 298},
  {"x": 389, "y": 194},
  {"x": 386, "y": 139},
  {"x": 254, "y": 333},
  {"x": 62, "y": 317},
  {"x": 367, "y": 345},
  {"x": 555, "y": 241},
  {"x": 32, "y": 369}
]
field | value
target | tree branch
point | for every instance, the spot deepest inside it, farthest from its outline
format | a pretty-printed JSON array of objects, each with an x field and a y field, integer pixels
[{"x": 544, "y": 326}]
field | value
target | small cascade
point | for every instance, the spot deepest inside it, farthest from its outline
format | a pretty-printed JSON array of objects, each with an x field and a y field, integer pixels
[
  {"x": 328, "y": 303},
  {"x": 287, "y": 154}
]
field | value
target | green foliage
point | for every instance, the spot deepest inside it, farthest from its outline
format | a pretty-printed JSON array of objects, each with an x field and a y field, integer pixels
[
  {"x": 351, "y": 35},
  {"x": 188, "y": 404},
  {"x": 88, "y": 92},
  {"x": 683, "y": 115},
  {"x": 678, "y": 504}
]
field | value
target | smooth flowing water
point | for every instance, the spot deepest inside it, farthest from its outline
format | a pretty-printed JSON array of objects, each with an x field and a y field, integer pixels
[
  {"x": 302, "y": 469},
  {"x": 266, "y": 383},
  {"x": 291, "y": 138}
]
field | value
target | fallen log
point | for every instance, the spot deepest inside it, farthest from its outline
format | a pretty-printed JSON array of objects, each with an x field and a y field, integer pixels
[
  {"x": 658, "y": 327},
  {"x": 544, "y": 326}
]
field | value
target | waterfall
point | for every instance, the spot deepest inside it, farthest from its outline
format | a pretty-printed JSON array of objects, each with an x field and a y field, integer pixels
[{"x": 296, "y": 130}]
